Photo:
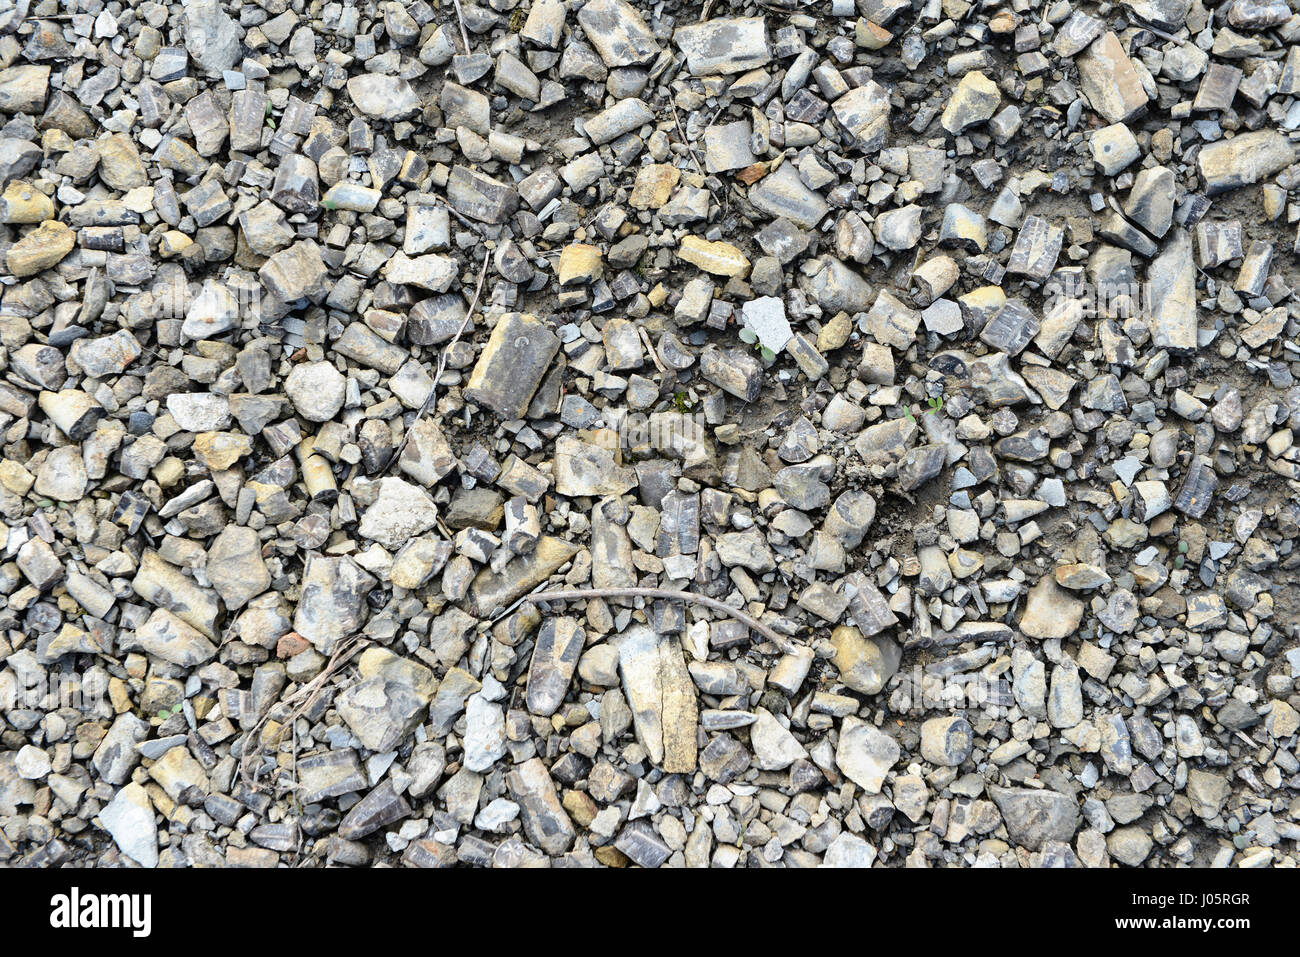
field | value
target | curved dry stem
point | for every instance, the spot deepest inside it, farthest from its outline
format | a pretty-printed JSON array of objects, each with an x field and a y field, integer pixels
[
  {"x": 749, "y": 621},
  {"x": 301, "y": 700},
  {"x": 432, "y": 397}
]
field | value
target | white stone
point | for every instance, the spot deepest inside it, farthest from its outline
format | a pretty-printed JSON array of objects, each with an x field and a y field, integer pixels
[
  {"x": 765, "y": 317},
  {"x": 128, "y": 818}
]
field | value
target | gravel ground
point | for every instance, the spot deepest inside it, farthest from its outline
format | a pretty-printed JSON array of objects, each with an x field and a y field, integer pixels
[{"x": 608, "y": 433}]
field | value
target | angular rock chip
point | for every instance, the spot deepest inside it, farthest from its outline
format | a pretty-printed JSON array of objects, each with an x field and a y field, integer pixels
[
  {"x": 616, "y": 30},
  {"x": 491, "y": 590},
  {"x": 1171, "y": 278},
  {"x": 1109, "y": 80},
  {"x": 332, "y": 605},
  {"x": 1035, "y": 816},
  {"x": 555, "y": 655},
  {"x": 512, "y": 365},
  {"x": 543, "y": 817}
]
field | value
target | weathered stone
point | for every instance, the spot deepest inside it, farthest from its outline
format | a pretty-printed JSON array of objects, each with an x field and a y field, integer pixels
[
  {"x": 616, "y": 30},
  {"x": 865, "y": 754},
  {"x": 724, "y": 46},
  {"x": 1109, "y": 80},
  {"x": 383, "y": 97},
  {"x": 661, "y": 695},
  {"x": 555, "y": 655},
  {"x": 1051, "y": 612},
  {"x": 491, "y": 590},
  {"x": 975, "y": 99},
  {"x": 333, "y": 602},
  {"x": 1172, "y": 278},
  {"x": 1243, "y": 160},
  {"x": 1033, "y": 817},
  {"x": 784, "y": 194},
  {"x": 512, "y": 365},
  {"x": 38, "y": 250},
  {"x": 543, "y": 817}
]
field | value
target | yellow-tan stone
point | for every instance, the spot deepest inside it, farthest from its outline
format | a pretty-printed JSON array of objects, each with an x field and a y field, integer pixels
[
  {"x": 23, "y": 203},
  {"x": 43, "y": 247},
  {"x": 720, "y": 259},
  {"x": 579, "y": 263}
]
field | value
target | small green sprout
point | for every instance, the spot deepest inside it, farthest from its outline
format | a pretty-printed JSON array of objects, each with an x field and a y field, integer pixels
[
  {"x": 934, "y": 404},
  {"x": 750, "y": 337}
]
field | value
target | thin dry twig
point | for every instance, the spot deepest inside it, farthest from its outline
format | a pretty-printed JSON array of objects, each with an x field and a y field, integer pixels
[
  {"x": 686, "y": 142},
  {"x": 461, "y": 217},
  {"x": 432, "y": 397},
  {"x": 654, "y": 355},
  {"x": 460, "y": 16},
  {"x": 301, "y": 701},
  {"x": 570, "y": 594}
]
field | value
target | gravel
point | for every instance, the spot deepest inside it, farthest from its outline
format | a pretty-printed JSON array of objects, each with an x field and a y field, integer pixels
[{"x": 951, "y": 347}]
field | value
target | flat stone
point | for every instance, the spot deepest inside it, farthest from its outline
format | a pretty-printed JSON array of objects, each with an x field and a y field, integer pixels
[
  {"x": 1051, "y": 611},
  {"x": 512, "y": 365},
  {"x": 864, "y": 113},
  {"x": 481, "y": 197},
  {"x": 491, "y": 589},
  {"x": 975, "y": 100},
  {"x": 168, "y": 637},
  {"x": 555, "y": 655},
  {"x": 1036, "y": 250},
  {"x": 383, "y": 97},
  {"x": 734, "y": 371},
  {"x": 661, "y": 695},
  {"x": 864, "y": 664},
  {"x": 866, "y": 754},
  {"x": 1034, "y": 816},
  {"x": 400, "y": 512},
  {"x": 235, "y": 567},
  {"x": 724, "y": 46},
  {"x": 718, "y": 258},
  {"x": 783, "y": 194},
  {"x": 1109, "y": 80},
  {"x": 775, "y": 748},
  {"x": 41, "y": 248},
  {"x": 316, "y": 389},
  {"x": 1172, "y": 279},
  {"x": 128, "y": 819},
  {"x": 1243, "y": 160},
  {"x": 616, "y": 30},
  {"x": 332, "y": 606},
  {"x": 765, "y": 317},
  {"x": 947, "y": 741}
]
